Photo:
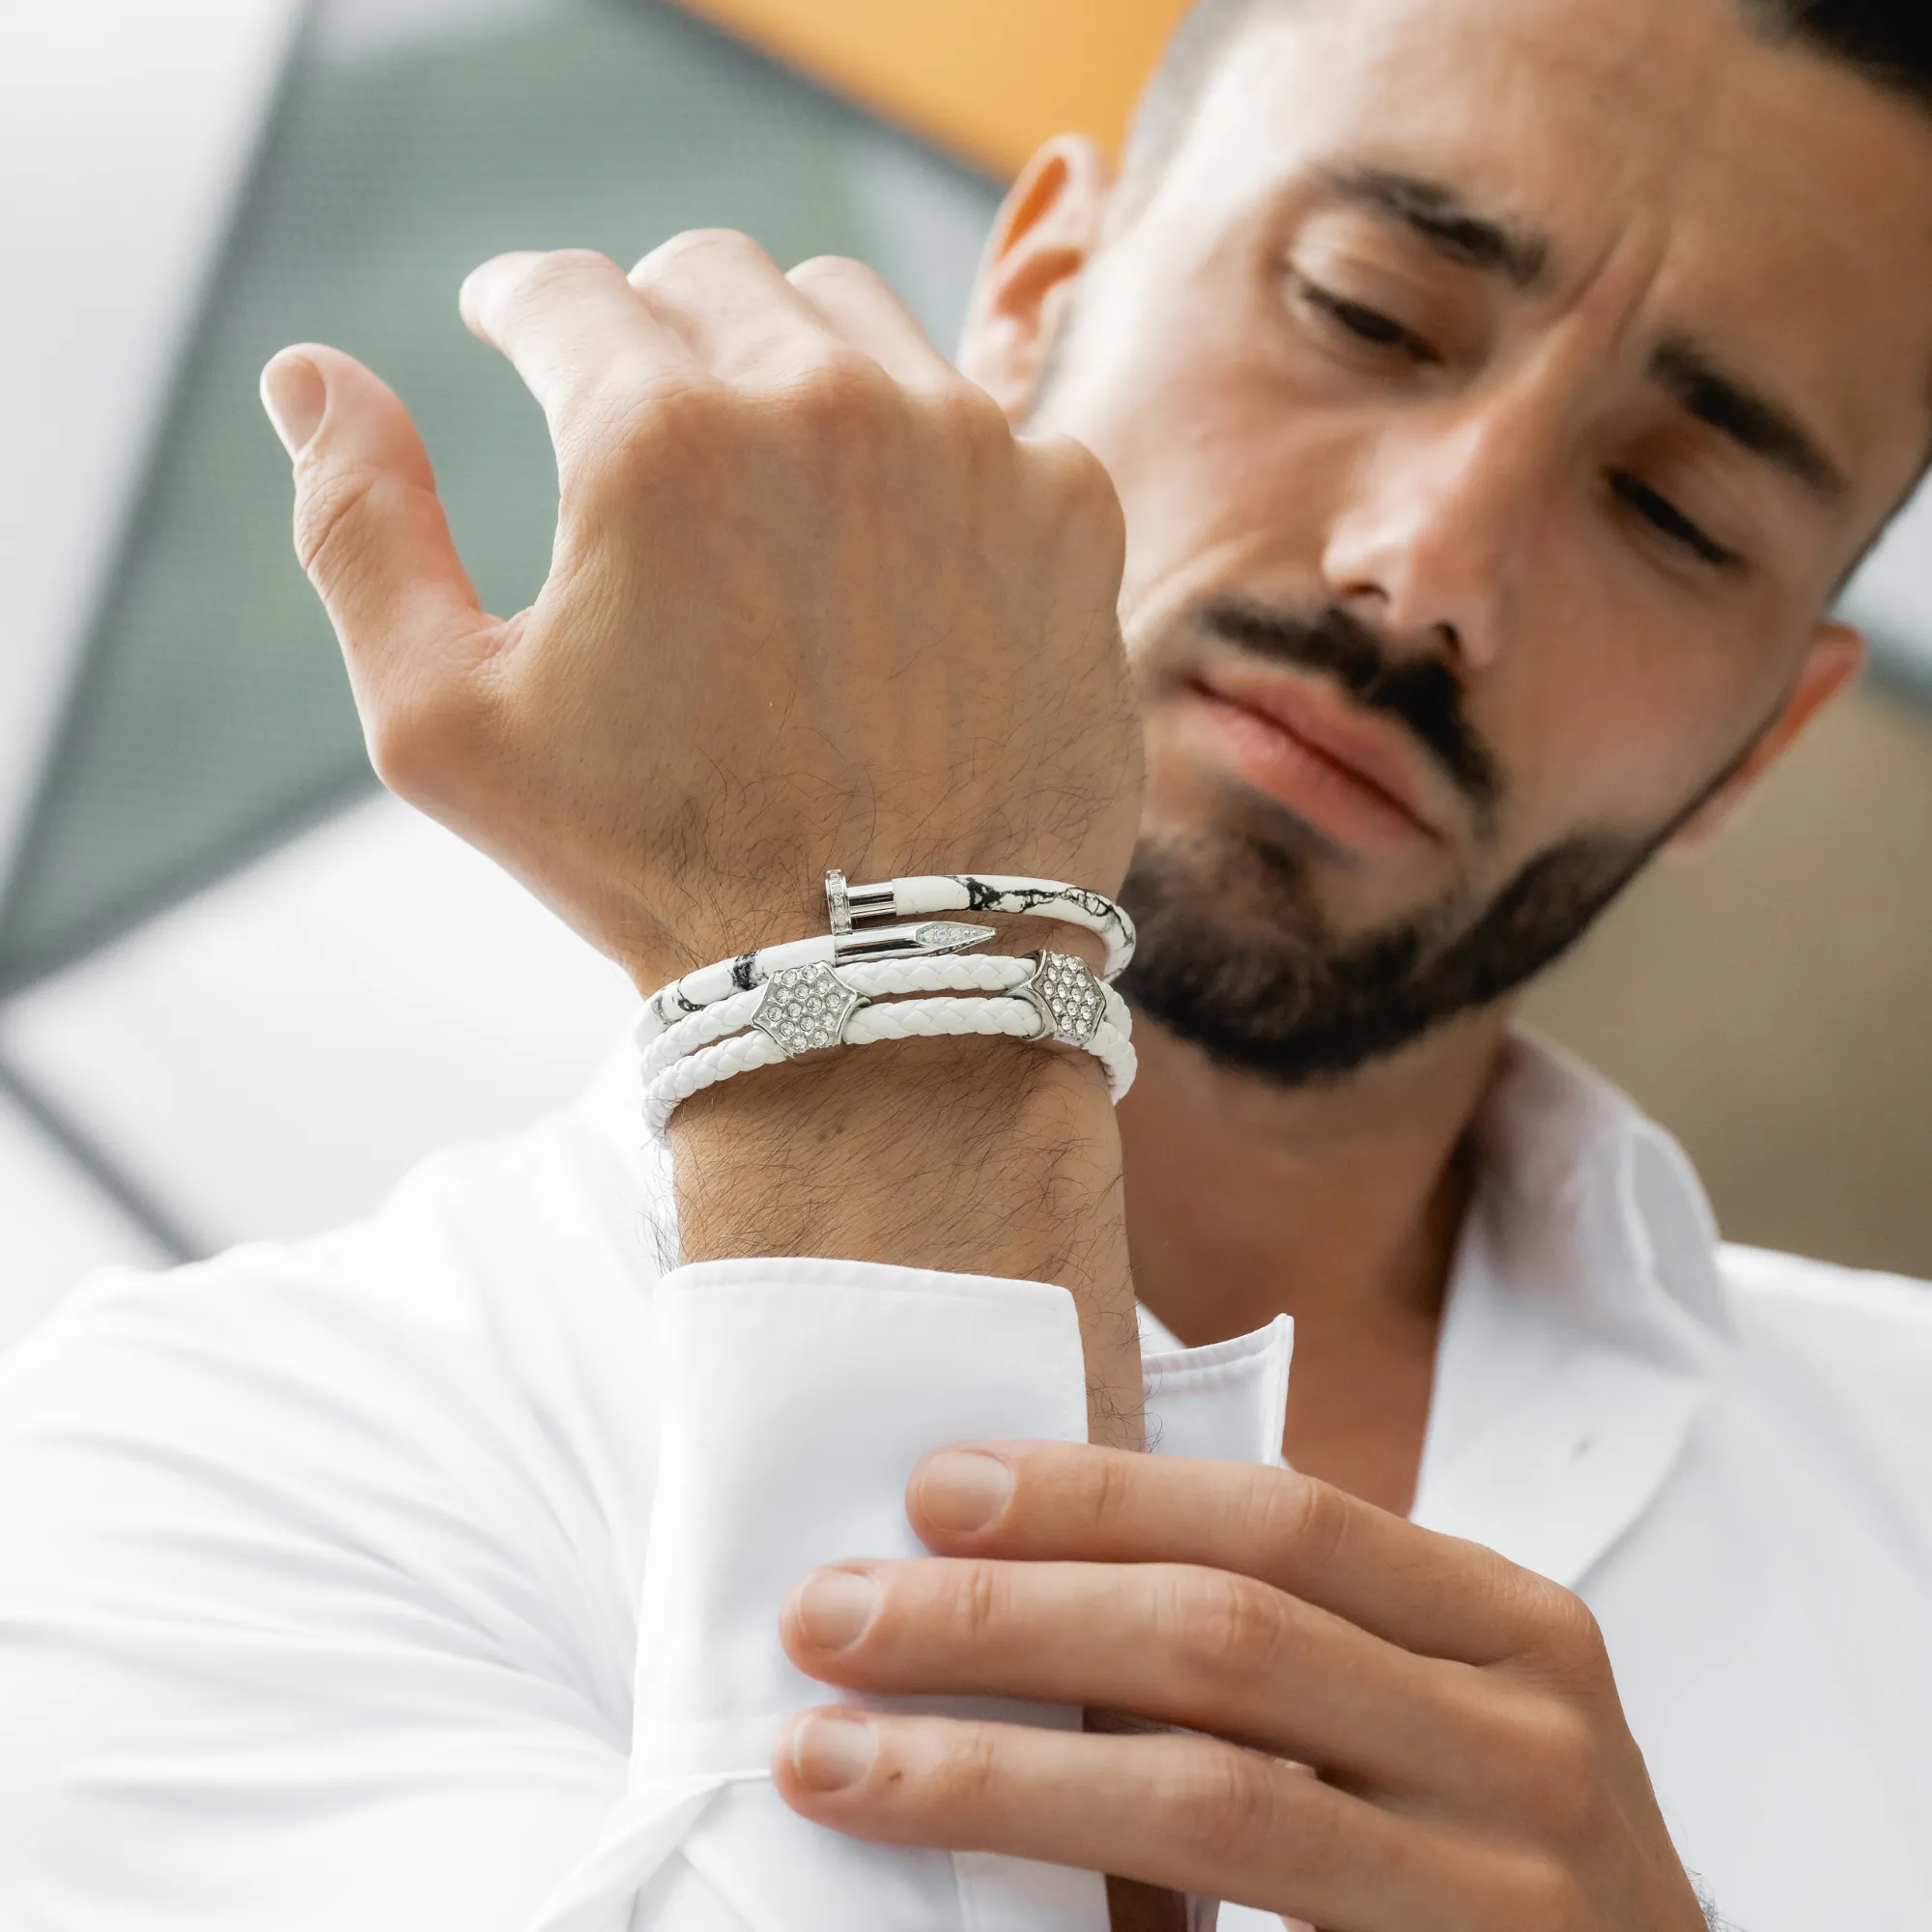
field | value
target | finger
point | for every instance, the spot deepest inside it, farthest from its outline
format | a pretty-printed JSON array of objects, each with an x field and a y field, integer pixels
[
  {"x": 1429, "y": 1593},
  {"x": 1191, "y": 1814},
  {"x": 574, "y": 330},
  {"x": 370, "y": 531},
  {"x": 1185, "y": 1645},
  {"x": 727, "y": 301},
  {"x": 859, "y": 308}
]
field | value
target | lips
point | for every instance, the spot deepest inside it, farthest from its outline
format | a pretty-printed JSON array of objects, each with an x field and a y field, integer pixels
[{"x": 1355, "y": 779}]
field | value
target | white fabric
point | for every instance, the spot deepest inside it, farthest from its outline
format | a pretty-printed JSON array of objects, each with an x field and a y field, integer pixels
[{"x": 423, "y": 1576}]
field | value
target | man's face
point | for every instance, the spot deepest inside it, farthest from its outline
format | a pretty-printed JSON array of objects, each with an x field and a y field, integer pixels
[{"x": 1497, "y": 390}]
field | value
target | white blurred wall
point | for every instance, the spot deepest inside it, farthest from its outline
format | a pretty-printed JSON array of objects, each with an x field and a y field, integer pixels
[{"x": 267, "y": 1059}]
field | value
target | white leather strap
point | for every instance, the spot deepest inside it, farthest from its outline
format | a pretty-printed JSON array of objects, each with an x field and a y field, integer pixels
[{"x": 701, "y": 1065}]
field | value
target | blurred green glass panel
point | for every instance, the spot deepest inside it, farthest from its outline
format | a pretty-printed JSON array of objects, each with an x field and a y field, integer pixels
[{"x": 212, "y": 716}]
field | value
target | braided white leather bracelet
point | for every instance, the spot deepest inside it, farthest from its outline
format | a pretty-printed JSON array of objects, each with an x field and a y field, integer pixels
[
  {"x": 876, "y": 980},
  {"x": 801, "y": 1009}
]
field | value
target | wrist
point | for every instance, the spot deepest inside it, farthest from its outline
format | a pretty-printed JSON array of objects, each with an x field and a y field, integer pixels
[{"x": 967, "y": 1155}]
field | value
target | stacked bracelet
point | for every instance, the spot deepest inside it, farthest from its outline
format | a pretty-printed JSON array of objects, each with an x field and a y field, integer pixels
[{"x": 810, "y": 995}]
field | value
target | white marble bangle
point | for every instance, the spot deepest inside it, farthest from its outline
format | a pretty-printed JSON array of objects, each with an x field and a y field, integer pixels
[{"x": 998, "y": 892}]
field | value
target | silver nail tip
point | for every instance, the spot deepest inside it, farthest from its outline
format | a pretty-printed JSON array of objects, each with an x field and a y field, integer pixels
[{"x": 943, "y": 935}]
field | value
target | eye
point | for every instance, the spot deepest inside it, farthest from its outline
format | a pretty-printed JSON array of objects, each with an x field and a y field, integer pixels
[
  {"x": 1367, "y": 324},
  {"x": 1661, "y": 514}
]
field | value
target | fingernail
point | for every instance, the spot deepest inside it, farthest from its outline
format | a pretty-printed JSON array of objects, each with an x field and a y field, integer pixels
[
  {"x": 832, "y": 1607},
  {"x": 294, "y": 397},
  {"x": 962, "y": 1489},
  {"x": 828, "y": 1753}
]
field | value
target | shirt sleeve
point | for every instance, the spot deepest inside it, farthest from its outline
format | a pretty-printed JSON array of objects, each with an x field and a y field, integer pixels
[
  {"x": 426, "y": 1579},
  {"x": 796, "y": 1398}
]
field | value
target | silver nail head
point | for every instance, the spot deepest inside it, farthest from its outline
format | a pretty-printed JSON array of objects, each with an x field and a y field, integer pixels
[{"x": 838, "y": 903}]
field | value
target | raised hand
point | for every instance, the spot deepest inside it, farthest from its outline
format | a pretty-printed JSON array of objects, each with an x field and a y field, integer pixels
[{"x": 811, "y": 603}]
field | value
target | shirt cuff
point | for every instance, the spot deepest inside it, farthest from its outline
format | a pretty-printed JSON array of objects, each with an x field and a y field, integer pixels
[{"x": 797, "y": 1397}]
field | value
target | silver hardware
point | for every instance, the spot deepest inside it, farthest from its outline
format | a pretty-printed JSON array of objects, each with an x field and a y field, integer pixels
[
  {"x": 910, "y": 941},
  {"x": 804, "y": 1008},
  {"x": 1067, "y": 998},
  {"x": 838, "y": 904},
  {"x": 879, "y": 901}
]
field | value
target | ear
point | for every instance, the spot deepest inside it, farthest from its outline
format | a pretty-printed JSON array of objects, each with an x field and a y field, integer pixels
[
  {"x": 1048, "y": 228},
  {"x": 1836, "y": 656}
]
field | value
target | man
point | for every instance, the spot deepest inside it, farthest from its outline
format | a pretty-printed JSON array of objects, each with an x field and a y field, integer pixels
[{"x": 1496, "y": 392}]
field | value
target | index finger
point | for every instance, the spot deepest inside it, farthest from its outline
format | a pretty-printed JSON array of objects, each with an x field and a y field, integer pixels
[
  {"x": 570, "y": 326},
  {"x": 1432, "y": 1594}
]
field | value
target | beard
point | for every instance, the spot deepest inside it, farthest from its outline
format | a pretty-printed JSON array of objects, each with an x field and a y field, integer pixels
[{"x": 1235, "y": 955}]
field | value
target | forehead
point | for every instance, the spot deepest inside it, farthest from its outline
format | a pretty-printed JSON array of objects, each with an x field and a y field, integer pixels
[{"x": 1753, "y": 195}]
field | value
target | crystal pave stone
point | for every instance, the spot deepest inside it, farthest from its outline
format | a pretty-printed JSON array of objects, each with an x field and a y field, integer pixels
[
  {"x": 1068, "y": 997},
  {"x": 940, "y": 935},
  {"x": 806, "y": 1008}
]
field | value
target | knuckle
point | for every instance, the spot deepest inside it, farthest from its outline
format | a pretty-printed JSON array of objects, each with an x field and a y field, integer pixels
[
  {"x": 841, "y": 417},
  {"x": 557, "y": 272},
  {"x": 820, "y": 270},
  {"x": 335, "y": 512},
  {"x": 1298, "y": 1514},
  {"x": 843, "y": 391},
  {"x": 1560, "y": 1773},
  {"x": 965, "y": 415},
  {"x": 1569, "y": 1636},
  {"x": 1540, "y": 1896},
  {"x": 970, "y": 1781},
  {"x": 639, "y": 440},
  {"x": 691, "y": 251},
  {"x": 1223, "y": 1803},
  {"x": 1113, "y": 1474},
  {"x": 1227, "y": 1626},
  {"x": 1078, "y": 477},
  {"x": 979, "y": 1604},
  {"x": 415, "y": 737}
]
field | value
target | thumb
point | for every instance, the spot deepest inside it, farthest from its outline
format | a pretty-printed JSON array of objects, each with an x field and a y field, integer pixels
[{"x": 371, "y": 534}]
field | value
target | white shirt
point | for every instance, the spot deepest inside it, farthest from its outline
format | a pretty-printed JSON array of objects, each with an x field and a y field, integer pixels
[{"x": 425, "y": 1575}]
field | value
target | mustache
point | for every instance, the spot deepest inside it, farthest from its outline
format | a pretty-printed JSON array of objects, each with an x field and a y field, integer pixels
[{"x": 1422, "y": 693}]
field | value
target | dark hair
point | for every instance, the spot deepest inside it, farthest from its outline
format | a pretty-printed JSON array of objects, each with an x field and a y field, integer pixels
[{"x": 1888, "y": 40}]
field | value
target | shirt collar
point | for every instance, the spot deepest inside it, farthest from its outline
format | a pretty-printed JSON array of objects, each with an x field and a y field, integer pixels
[
  {"x": 1562, "y": 1150},
  {"x": 1585, "y": 1319},
  {"x": 1585, "y": 1315}
]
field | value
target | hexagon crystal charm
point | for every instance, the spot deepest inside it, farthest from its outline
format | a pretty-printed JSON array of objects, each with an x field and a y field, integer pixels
[
  {"x": 1067, "y": 998},
  {"x": 806, "y": 1008}
]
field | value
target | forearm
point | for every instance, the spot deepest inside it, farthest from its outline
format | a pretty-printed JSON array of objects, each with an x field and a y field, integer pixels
[{"x": 969, "y": 1155}]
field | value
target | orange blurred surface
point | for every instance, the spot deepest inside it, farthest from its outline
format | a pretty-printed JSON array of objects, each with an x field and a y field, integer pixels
[{"x": 989, "y": 79}]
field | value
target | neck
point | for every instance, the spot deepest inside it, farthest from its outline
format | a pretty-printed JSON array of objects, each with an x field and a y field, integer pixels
[{"x": 1339, "y": 1205}]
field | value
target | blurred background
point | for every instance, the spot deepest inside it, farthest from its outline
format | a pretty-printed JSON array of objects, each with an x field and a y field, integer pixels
[{"x": 241, "y": 990}]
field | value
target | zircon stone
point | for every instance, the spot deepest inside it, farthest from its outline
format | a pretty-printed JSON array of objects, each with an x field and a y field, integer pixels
[
  {"x": 1068, "y": 997},
  {"x": 804, "y": 1008}
]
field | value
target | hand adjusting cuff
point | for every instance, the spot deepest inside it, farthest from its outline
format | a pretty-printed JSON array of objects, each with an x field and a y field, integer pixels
[{"x": 794, "y": 999}]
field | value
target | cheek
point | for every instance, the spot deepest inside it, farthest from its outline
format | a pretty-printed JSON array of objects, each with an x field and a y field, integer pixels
[
  {"x": 1621, "y": 725},
  {"x": 1221, "y": 485}
]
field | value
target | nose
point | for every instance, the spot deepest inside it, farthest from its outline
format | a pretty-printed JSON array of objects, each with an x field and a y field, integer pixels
[{"x": 1431, "y": 543}]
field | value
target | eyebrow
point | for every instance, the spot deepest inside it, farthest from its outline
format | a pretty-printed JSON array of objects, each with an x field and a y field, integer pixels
[
  {"x": 1750, "y": 418},
  {"x": 1450, "y": 225}
]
